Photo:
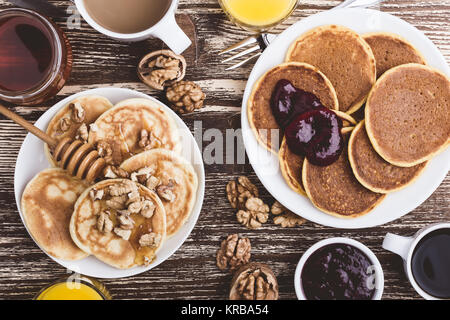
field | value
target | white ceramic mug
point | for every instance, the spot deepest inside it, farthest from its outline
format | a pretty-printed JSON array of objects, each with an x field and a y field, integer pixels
[
  {"x": 165, "y": 29},
  {"x": 376, "y": 271},
  {"x": 404, "y": 247}
]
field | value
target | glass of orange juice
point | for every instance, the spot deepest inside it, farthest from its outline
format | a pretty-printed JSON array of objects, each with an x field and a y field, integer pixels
[
  {"x": 258, "y": 15},
  {"x": 80, "y": 288}
]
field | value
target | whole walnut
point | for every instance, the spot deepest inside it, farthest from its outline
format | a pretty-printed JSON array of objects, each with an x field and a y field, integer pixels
[
  {"x": 254, "y": 281},
  {"x": 185, "y": 97},
  {"x": 233, "y": 252}
]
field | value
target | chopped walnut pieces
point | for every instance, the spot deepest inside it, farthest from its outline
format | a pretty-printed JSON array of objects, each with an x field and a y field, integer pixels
[
  {"x": 123, "y": 233},
  {"x": 142, "y": 175},
  {"x": 96, "y": 194},
  {"x": 148, "y": 209},
  {"x": 148, "y": 141},
  {"x": 113, "y": 172},
  {"x": 82, "y": 133},
  {"x": 122, "y": 188},
  {"x": 104, "y": 223},
  {"x": 151, "y": 240},
  {"x": 125, "y": 221},
  {"x": 233, "y": 252},
  {"x": 105, "y": 151},
  {"x": 117, "y": 203},
  {"x": 144, "y": 140},
  {"x": 166, "y": 191},
  {"x": 239, "y": 191},
  {"x": 135, "y": 207},
  {"x": 254, "y": 281},
  {"x": 161, "y": 68},
  {"x": 134, "y": 196},
  {"x": 255, "y": 214},
  {"x": 185, "y": 97},
  {"x": 284, "y": 217},
  {"x": 152, "y": 183},
  {"x": 78, "y": 113},
  {"x": 64, "y": 124}
]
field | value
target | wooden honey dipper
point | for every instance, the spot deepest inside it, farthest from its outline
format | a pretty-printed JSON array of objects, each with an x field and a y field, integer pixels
[{"x": 76, "y": 157}]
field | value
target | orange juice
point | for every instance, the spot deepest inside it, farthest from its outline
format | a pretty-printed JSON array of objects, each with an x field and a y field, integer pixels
[
  {"x": 70, "y": 291},
  {"x": 258, "y": 13}
]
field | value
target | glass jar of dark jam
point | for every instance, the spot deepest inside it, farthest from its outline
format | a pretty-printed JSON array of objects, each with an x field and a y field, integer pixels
[{"x": 35, "y": 57}]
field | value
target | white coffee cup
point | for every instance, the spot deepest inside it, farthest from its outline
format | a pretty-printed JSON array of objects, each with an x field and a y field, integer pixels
[
  {"x": 404, "y": 247},
  {"x": 165, "y": 29},
  {"x": 376, "y": 271}
]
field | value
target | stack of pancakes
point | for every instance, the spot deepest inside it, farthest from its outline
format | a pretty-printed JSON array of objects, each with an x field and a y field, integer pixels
[
  {"x": 402, "y": 105},
  {"x": 62, "y": 212}
]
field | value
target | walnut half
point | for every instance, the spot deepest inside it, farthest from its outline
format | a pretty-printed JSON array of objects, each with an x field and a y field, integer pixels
[
  {"x": 254, "y": 281},
  {"x": 185, "y": 97},
  {"x": 256, "y": 213},
  {"x": 284, "y": 217},
  {"x": 239, "y": 191},
  {"x": 162, "y": 68},
  {"x": 233, "y": 252}
]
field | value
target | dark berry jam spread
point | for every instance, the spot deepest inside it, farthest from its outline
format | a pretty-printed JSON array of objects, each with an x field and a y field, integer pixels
[
  {"x": 311, "y": 129},
  {"x": 338, "y": 272}
]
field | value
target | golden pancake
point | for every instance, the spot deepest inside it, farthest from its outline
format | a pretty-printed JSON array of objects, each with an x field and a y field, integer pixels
[
  {"x": 120, "y": 222},
  {"x": 374, "y": 172},
  {"x": 291, "y": 166},
  {"x": 302, "y": 76},
  {"x": 408, "y": 114},
  {"x": 66, "y": 124},
  {"x": 391, "y": 50},
  {"x": 47, "y": 205},
  {"x": 122, "y": 129},
  {"x": 172, "y": 177},
  {"x": 335, "y": 190},
  {"x": 344, "y": 57}
]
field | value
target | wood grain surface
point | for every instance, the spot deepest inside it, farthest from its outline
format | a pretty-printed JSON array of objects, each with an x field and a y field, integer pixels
[{"x": 191, "y": 273}]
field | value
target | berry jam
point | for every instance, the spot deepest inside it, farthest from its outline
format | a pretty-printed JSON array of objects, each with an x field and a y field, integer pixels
[
  {"x": 311, "y": 129},
  {"x": 338, "y": 272}
]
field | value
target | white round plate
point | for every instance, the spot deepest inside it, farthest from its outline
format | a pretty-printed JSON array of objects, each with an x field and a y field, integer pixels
[
  {"x": 266, "y": 164},
  {"x": 31, "y": 160}
]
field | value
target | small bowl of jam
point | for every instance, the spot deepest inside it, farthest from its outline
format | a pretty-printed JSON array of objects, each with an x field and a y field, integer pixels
[
  {"x": 339, "y": 269},
  {"x": 35, "y": 57}
]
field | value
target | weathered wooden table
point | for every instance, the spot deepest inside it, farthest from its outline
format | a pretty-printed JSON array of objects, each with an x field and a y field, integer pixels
[{"x": 191, "y": 273}]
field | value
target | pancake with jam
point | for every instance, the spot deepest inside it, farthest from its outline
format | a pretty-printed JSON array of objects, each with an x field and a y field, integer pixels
[
  {"x": 47, "y": 206},
  {"x": 120, "y": 222},
  {"x": 408, "y": 114},
  {"x": 172, "y": 177},
  {"x": 82, "y": 111},
  {"x": 336, "y": 191},
  {"x": 133, "y": 126},
  {"x": 304, "y": 77},
  {"x": 344, "y": 57},
  {"x": 374, "y": 172},
  {"x": 391, "y": 50},
  {"x": 291, "y": 164}
]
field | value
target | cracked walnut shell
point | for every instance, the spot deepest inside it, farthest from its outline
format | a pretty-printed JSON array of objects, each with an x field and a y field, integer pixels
[
  {"x": 162, "y": 68},
  {"x": 233, "y": 252},
  {"x": 185, "y": 97},
  {"x": 254, "y": 281}
]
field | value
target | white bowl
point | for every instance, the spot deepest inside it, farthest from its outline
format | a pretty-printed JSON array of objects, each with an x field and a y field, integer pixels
[
  {"x": 377, "y": 271},
  {"x": 31, "y": 160}
]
